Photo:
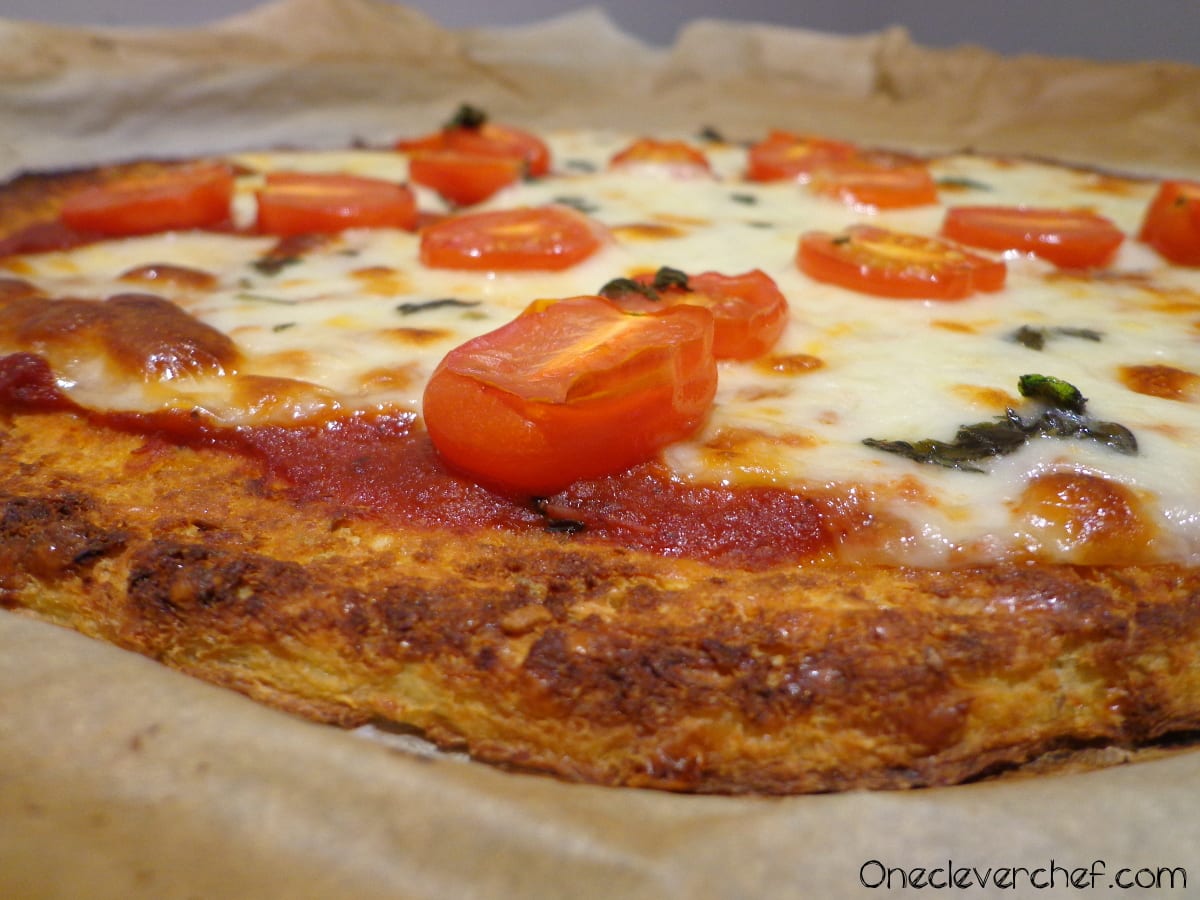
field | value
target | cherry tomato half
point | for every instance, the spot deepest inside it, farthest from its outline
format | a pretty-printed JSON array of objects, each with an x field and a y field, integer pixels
[
  {"x": 676, "y": 157},
  {"x": 1172, "y": 222},
  {"x": 470, "y": 132},
  {"x": 783, "y": 155},
  {"x": 749, "y": 311},
  {"x": 861, "y": 182},
  {"x": 323, "y": 203},
  {"x": 196, "y": 196},
  {"x": 886, "y": 263},
  {"x": 526, "y": 238},
  {"x": 1075, "y": 239},
  {"x": 464, "y": 178},
  {"x": 570, "y": 390}
]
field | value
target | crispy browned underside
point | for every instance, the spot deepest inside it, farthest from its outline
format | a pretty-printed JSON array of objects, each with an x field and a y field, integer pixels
[{"x": 597, "y": 664}]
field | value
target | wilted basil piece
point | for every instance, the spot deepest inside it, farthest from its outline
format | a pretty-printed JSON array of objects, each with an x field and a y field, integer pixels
[
  {"x": 1052, "y": 390},
  {"x": 407, "y": 309},
  {"x": 623, "y": 287},
  {"x": 1035, "y": 338},
  {"x": 666, "y": 278},
  {"x": 1063, "y": 418}
]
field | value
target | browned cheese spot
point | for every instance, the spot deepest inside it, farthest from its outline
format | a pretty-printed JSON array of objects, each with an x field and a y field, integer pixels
[
  {"x": 140, "y": 334},
  {"x": 1166, "y": 382},
  {"x": 1092, "y": 519}
]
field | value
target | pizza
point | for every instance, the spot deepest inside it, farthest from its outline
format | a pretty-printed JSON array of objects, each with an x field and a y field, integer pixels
[{"x": 780, "y": 464}]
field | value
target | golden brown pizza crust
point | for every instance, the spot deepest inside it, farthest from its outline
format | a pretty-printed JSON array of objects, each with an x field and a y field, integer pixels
[{"x": 590, "y": 662}]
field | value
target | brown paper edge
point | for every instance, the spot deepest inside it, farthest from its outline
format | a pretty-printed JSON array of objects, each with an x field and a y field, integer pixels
[{"x": 121, "y": 779}]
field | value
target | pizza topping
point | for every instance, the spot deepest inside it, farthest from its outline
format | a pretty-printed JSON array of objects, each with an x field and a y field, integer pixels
[
  {"x": 408, "y": 309},
  {"x": 1063, "y": 418},
  {"x": 454, "y": 160},
  {"x": 749, "y": 310},
  {"x": 296, "y": 203},
  {"x": 464, "y": 179},
  {"x": 527, "y": 238},
  {"x": 197, "y": 196},
  {"x": 674, "y": 157},
  {"x": 176, "y": 276},
  {"x": 575, "y": 389},
  {"x": 783, "y": 156},
  {"x": 1035, "y": 338},
  {"x": 884, "y": 263},
  {"x": 1172, "y": 222},
  {"x": 875, "y": 185},
  {"x": 1076, "y": 239}
]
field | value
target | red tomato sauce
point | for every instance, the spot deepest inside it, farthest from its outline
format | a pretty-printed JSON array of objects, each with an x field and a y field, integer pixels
[{"x": 384, "y": 466}]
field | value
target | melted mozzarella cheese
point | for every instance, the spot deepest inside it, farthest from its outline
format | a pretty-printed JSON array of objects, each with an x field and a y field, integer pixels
[{"x": 350, "y": 327}]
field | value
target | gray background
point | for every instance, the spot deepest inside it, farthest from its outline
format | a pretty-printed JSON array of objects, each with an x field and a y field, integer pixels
[{"x": 1096, "y": 29}]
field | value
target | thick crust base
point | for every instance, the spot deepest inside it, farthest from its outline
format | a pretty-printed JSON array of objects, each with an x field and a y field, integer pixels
[{"x": 593, "y": 663}]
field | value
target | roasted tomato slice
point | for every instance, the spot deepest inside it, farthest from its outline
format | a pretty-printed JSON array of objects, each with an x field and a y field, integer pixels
[
  {"x": 674, "y": 157},
  {"x": 526, "y": 238},
  {"x": 886, "y": 263},
  {"x": 464, "y": 178},
  {"x": 196, "y": 196},
  {"x": 1074, "y": 239},
  {"x": 1172, "y": 222},
  {"x": 570, "y": 390},
  {"x": 322, "y": 203},
  {"x": 470, "y": 132},
  {"x": 749, "y": 311},
  {"x": 862, "y": 182},
  {"x": 783, "y": 155}
]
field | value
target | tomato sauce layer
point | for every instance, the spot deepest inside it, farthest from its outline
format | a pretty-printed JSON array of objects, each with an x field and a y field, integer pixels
[{"x": 384, "y": 466}]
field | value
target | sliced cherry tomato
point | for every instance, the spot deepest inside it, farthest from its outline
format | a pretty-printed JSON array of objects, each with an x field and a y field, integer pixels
[
  {"x": 1074, "y": 239},
  {"x": 526, "y": 238},
  {"x": 676, "y": 157},
  {"x": 886, "y": 263},
  {"x": 323, "y": 203},
  {"x": 749, "y": 311},
  {"x": 783, "y": 155},
  {"x": 470, "y": 132},
  {"x": 861, "y": 182},
  {"x": 197, "y": 196},
  {"x": 464, "y": 178},
  {"x": 575, "y": 389},
  {"x": 1172, "y": 222}
]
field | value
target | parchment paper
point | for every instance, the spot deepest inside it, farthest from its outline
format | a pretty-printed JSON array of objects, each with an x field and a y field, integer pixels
[{"x": 121, "y": 779}]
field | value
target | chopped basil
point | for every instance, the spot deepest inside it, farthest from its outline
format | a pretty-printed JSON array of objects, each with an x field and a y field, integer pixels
[
  {"x": 745, "y": 199},
  {"x": 579, "y": 165},
  {"x": 407, "y": 309},
  {"x": 273, "y": 265},
  {"x": 1035, "y": 338},
  {"x": 1052, "y": 390},
  {"x": 666, "y": 278},
  {"x": 283, "y": 326},
  {"x": 580, "y": 204},
  {"x": 623, "y": 287},
  {"x": 712, "y": 135},
  {"x": 468, "y": 116},
  {"x": 956, "y": 181},
  {"x": 1064, "y": 417}
]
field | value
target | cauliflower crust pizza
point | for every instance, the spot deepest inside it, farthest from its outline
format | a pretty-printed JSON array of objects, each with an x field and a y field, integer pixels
[{"x": 783, "y": 465}]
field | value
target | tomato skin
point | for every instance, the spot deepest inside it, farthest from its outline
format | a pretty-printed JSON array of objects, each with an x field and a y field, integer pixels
[
  {"x": 1172, "y": 222},
  {"x": 464, "y": 179},
  {"x": 1070, "y": 239},
  {"x": 576, "y": 389},
  {"x": 886, "y": 263},
  {"x": 542, "y": 238},
  {"x": 197, "y": 196},
  {"x": 861, "y": 182},
  {"x": 676, "y": 157},
  {"x": 292, "y": 203},
  {"x": 783, "y": 155},
  {"x": 749, "y": 311}
]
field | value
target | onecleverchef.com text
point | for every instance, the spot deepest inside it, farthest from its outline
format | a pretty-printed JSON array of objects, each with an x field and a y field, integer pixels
[{"x": 877, "y": 874}]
